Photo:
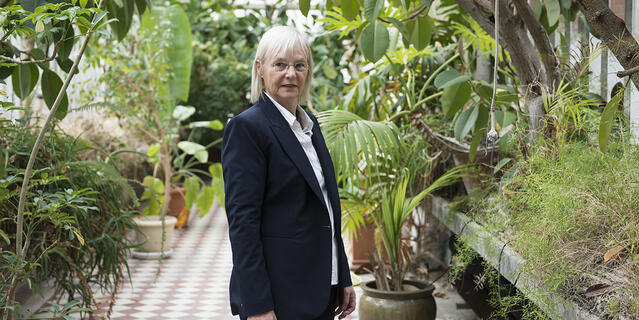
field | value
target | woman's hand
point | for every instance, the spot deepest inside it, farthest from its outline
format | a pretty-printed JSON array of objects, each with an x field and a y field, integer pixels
[
  {"x": 264, "y": 316},
  {"x": 348, "y": 304}
]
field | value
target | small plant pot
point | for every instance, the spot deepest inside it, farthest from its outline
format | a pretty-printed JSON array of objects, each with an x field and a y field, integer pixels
[
  {"x": 177, "y": 202},
  {"x": 416, "y": 303},
  {"x": 150, "y": 234}
]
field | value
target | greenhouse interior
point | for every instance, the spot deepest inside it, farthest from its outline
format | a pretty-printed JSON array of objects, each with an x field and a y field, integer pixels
[{"x": 309, "y": 160}]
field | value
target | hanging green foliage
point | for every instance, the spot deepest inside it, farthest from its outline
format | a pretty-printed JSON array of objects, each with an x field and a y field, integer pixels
[{"x": 172, "y": 24}]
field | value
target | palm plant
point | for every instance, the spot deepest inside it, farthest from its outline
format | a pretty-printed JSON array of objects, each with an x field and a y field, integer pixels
[
  {"x": 389, "y": 218},
  {"x": 367, "y": 155}
]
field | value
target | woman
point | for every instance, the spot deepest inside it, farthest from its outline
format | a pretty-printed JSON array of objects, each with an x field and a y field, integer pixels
[{"x": 282, "y": 203}]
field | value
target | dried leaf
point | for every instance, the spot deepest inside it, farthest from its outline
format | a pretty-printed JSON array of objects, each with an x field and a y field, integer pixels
[
  {"x": 613, "y": 253},
  {"x": 440, "y": 295},
  {"x": 597, "y": 290}
]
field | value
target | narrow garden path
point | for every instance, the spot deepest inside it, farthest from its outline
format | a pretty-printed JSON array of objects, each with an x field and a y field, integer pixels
[{"x": 193, "y": 283}]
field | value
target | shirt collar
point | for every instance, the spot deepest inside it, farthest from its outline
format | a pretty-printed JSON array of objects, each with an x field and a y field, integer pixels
[{"x": 304, "y": 119}]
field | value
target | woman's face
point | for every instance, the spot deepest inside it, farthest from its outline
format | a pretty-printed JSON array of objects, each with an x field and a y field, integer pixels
[{"x": 284, "y": 76}]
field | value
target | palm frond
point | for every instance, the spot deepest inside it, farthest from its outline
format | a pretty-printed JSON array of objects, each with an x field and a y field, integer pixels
[{"x": 356, "y": 144}]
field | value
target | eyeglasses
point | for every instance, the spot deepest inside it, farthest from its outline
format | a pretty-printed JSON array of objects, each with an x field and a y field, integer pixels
[{"x": 283, "y": 67}]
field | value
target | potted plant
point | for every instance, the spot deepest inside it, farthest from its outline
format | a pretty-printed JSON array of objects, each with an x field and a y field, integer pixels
[
  {"x": 390, "y": 295},
  {"x": 177, "y": 163},
  {"x": 148, "y": 75}
]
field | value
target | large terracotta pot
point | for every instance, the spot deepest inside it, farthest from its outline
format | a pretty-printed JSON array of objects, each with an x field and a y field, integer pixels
[
  {"x": 417, "y": 303},
  {"x": 362, "y": 245},
  {"x": 151, "y": 232}
]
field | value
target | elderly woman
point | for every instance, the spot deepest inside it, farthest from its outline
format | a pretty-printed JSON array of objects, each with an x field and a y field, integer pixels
[{"x": 282, "y": 203}]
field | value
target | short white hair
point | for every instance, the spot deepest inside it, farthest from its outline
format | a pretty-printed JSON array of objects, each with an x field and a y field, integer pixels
[{"x": 274, "y": 41}]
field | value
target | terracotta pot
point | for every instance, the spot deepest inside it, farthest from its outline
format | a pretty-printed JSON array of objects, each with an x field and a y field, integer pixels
[
  {"x": 417, "y": 303},
  {"x": 151, "y": 232},
  {"x": 177, "y": 202},
  {"x": 362, "y": 246}
]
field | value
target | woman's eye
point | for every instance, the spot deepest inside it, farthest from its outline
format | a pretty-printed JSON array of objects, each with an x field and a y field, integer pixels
[{"x": 280, "y": 65}]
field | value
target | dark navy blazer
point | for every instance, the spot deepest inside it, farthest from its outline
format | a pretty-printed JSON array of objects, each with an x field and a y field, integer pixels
[{"x": 278, "y": 221}]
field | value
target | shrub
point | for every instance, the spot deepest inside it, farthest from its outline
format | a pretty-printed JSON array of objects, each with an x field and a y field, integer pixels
[{"x": 76, "y": 214}]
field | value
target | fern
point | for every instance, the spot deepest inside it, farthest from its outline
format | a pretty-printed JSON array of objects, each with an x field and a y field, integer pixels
[
  {"x": 335, "y": 21},
  {"x": 477, "y": 36},
  {"x": 95, "y": 106}
]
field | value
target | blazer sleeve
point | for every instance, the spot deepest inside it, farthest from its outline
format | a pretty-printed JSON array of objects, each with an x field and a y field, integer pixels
[{"x": 244, "y": 169}]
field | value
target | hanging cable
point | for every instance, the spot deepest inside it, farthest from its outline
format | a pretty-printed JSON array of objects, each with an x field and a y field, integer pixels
[{"x": 492, "y": 134}]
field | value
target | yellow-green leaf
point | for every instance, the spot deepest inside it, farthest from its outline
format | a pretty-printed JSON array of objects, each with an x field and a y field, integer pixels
[
  {"x": 607, "y": 118},
  {"x": 39, "y": 27},
  {"x": 80, "y": 238},
  {"x": 305, "y": 5}
]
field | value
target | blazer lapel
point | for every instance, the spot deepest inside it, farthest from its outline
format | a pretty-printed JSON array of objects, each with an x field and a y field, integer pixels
[{"x": 291, "y": 145}]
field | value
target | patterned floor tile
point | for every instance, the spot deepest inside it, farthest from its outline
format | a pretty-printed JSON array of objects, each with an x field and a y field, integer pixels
[{"x": 192, "y": 284}]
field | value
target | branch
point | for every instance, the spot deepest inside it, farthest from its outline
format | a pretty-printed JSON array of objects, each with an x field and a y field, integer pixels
[
  {"x": 411, "y": 16},
  {"x": 539, "y": 35},
  {"x": 416, "y": 13},
  {"x": 24, "y": 62},
  {"x": 470, "y": 7},
  {"x": 614, "y": 34},
  {"x": 439, "y": 140},
  {"x": 628, "y": 72},
  {"x": 20, "y": 250}
]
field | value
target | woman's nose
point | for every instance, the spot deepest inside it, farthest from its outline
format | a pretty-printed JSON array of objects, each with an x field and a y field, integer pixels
[{"x": 290, "y": 71}]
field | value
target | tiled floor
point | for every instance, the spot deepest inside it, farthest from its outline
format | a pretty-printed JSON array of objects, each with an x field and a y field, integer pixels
[{"x": 193, "y": 283}]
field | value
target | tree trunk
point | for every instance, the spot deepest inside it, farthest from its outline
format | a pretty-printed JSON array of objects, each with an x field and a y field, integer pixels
[
  {"x": 514, "y": 38},
  {"x": 613, "y": 32}
]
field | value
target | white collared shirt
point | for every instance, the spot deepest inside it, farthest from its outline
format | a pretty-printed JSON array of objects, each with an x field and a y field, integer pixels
[{"x": 302, "y": 127}]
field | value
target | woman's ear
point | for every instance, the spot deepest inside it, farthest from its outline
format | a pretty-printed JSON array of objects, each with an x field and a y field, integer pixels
[{"x": 258, "y": 66}]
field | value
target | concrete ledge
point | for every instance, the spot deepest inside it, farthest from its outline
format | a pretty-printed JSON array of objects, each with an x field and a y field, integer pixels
[{"x": 507, "y": 262}]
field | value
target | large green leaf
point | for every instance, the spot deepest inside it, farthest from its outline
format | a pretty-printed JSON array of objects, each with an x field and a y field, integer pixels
[
  {"x": 38, "y": 54},
  {"x": 449, "y": 77},
  {"x": 454, "y": 97},
  {"x": 505, "y": 118},
  {"x": 23, "y": 79},
  {"x": 65, "y": 47},
  {"x": 372, "y": 8},
  {"x": 479, "y": 131},
  {"x": 123, "y": 13},
  {"x": 420, "y": 31},
  {"x": 305, "y": 5},
  {"x": 205, "y": 200},
  {"x": 465, "y": 122},
  {"x": 607, "y": 119},
  {"x": 553, "y": 10},
  {"x": 374, "y": 41},
  {"x": 141, "y": 5},
  {"x": 51, "y": 85},
  {"x": 350, "y": 9},
  {"x": 195, "y": 149},
  {"x": 174, "y": 25},
  {"x": 181, "y": 113},
  {"x": 30, "y": 5},
  {"x": 6, "y": 49},
  {"x": 192, "y": 186}
]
